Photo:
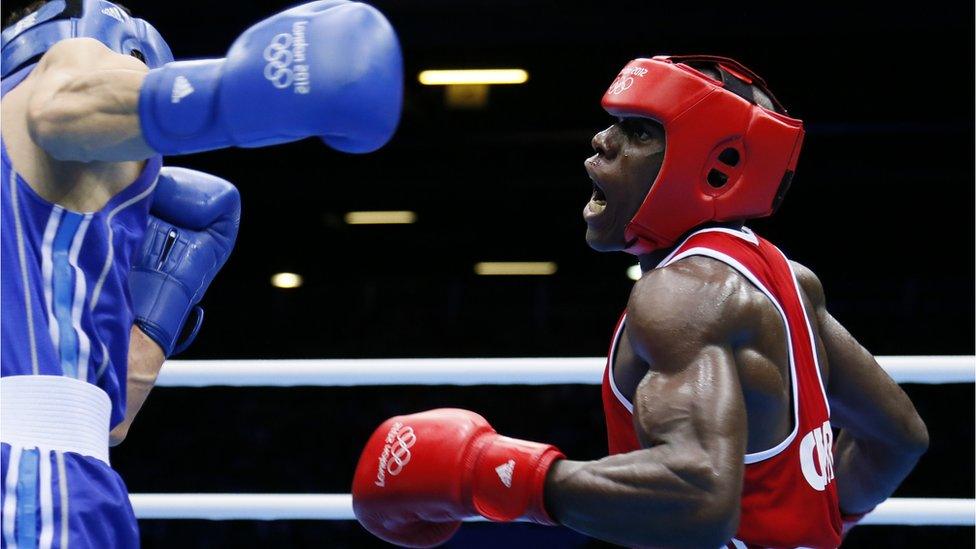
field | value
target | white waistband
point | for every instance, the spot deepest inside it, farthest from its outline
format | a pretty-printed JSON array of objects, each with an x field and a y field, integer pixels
[{"x": 55, "y": 412}]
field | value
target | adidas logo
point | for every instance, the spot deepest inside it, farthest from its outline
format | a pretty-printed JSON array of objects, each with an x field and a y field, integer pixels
[
  {"x": 115, "y": 13},
  {"x": 181, "y": 89},
  {"x": 505, "y": 471}
]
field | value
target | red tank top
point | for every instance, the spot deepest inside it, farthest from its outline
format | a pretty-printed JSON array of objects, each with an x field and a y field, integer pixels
[{"x": 789, "y": 497}]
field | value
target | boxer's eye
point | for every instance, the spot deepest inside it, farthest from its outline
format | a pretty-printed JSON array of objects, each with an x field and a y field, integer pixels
[{"x": 637, "y": 128}]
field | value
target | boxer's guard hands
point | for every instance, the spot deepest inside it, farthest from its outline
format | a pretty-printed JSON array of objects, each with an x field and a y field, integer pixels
[
  {"x": 192, "y": 228},
  {"x": 420, "y": 475},
  {"x": 330, "y": 68}
]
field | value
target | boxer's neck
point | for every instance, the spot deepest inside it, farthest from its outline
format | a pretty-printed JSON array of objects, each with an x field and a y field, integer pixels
[{"x": 651, "y": 260}]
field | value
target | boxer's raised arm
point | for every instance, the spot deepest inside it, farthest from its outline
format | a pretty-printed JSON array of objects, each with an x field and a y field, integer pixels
[
  {"x": 882, "y": 434},
  {"x": 683, "y": 488},
  {"x": 84, "y": 101},
  {"x": 329, "y": 68}
]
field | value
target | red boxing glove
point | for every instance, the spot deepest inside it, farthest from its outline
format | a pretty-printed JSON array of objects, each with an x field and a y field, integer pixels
[{"x": 421, "y": 475}]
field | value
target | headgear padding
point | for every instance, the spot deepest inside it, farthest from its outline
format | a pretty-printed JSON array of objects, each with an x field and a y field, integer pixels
[
  {"x": 26, "y": 40},
  {"x": 726, "y": 158}
]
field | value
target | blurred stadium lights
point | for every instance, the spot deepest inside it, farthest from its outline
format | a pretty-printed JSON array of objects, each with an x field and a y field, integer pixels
[
  {"x": 286, "y": 280},
  {"x": 468, "y": 88},
  {"x": 515, "y": 268},
  {"x": 466, "y": 96},
  {"x": 472, "y": 76},
  {"x": 393, "y": 217}
]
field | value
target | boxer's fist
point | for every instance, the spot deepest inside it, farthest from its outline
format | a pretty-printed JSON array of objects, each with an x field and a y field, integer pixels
[
  {"x": 420, "y": 475},
  {"x": 192, "y": 228},
  {"x": 329, "y": 68}
]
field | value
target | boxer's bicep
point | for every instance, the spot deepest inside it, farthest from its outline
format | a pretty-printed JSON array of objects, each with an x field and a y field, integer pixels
[
  {"x": 694, "y": 406},
  {"x": 83, "y": 103},
  {"x": 683, "y": 486},
  {"x": 691, "y": 398},
  {"x": 864, "y": 400}
]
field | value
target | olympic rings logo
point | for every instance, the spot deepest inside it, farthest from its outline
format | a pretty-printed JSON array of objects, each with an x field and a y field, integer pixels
[
  {"x": 400, "y": 454},
  {"x": 279, "y": 57},
  {"x": 620, "y": 85}
]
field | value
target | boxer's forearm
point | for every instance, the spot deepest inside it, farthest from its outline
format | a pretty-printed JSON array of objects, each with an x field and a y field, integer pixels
[
  {"x": 655, "y": 497},
  {"x": 869, "y": 471},
  {"x": 882, "y": 435},
  {"x": 89, "y": 117},
  {"x": 145, "y": 361}
]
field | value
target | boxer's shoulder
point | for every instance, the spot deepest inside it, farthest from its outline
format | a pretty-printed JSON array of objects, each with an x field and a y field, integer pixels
[
  {"x": 706, "y": 288},
  {"x": 694, "y": 301},
  {"x": 809, "y": 283}
]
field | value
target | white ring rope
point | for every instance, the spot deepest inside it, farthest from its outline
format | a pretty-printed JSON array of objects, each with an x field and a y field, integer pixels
[
  {"x": 472, "y": 371},
  {"x": 903, "y": 511},
  {"x": 476, "y": 371}
]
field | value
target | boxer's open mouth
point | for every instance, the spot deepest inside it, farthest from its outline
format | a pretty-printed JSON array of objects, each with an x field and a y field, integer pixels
[{"x": 598, "y": 201}]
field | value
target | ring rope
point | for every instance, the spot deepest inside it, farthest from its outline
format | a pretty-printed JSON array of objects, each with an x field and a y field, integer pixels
[
  {"x": 473, "y": 371},
  {"x": 901, "y": 511},
  {"x": 476, "y": 371}
]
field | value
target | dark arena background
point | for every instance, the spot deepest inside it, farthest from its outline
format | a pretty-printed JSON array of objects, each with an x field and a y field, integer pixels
[{"x": 881, "y": 208}]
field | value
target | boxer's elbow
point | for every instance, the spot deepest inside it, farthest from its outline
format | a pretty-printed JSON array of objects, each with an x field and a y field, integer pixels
[
  {"x": 708, "y": 524},
  {"x": 915, "y": 435},
  {"x": 717, "y": 524},
  {"x": 118, "y": 434},
  {"x": 905, "y": 435},
  {"x": 705, "y": 502},
  {"x": 715, "y": 514}
]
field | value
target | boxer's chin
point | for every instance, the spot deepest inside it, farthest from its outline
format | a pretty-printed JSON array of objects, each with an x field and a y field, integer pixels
[{"x": 603, "y": 240}]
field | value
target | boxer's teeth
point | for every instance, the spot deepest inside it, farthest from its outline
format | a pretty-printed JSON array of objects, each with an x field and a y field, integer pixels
[
  {"x": 598, "y": 196},
  {"x": 598, "y": 200}
]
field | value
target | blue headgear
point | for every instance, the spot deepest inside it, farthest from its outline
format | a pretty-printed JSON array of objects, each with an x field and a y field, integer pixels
[{"x": 25, "y": 41}]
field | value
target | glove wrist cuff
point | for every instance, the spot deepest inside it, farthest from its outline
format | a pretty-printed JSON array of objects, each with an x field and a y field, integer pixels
[
  {"x": 510, "y": 477},
  {"x": 160, "y": 304},
  {"x": 178, "y": 110},
  {"x": 536, "y": 511}
]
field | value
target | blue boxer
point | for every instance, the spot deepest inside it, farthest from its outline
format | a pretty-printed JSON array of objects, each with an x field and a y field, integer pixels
[
  {"x": 66, "y": 314},
  {"x": 69, "y": 304},
  {"x": 121, "y": 242}
]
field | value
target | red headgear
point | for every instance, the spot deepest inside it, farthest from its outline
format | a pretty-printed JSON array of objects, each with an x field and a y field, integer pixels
[{"x": 726, "y": 158}]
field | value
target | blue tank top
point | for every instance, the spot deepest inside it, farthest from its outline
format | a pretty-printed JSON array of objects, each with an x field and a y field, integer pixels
[{"x": 64, "y": 281}]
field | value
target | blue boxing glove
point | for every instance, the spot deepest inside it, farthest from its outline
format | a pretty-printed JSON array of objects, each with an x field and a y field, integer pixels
[
  {"x": 330, "y": 68},
  {"x": 192, "y": 228}
]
